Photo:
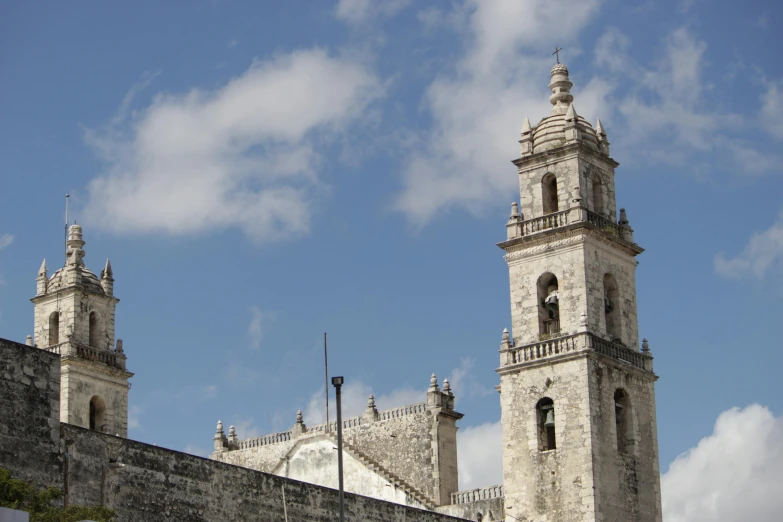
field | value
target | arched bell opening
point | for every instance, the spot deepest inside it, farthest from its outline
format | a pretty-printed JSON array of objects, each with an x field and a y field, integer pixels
[
  {"x": 548, "y": 305},
  {"x": 545, "y": 422},
  {"x": 549, "y": 193},
  {"x": 97, "y": 414},
  {"x": 54, "y": 328},
  {"x": 612, "y": 308},
  {"x": 622, "y": 416}
]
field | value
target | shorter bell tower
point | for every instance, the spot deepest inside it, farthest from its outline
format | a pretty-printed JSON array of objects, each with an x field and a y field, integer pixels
[{"x": 74, "y": 317}]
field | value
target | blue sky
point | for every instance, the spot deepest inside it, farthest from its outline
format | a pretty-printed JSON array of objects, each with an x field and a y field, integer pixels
[{"x": 261, "y": 174}]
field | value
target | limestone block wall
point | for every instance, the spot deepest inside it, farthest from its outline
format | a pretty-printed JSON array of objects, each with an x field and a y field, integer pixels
[
  {"x": 527, "y": 264},
  {"x": 629, "y": 482},
  {"x": 83, "y": 380},
  {"x": 602, "y": 257},
  {"x": 149, "y": 484},
  {"x": 74, "y": 306},
  {"x": 575, "y": 168},
  {"x": 401, "y": 442},
  {"x": 557, "y": 484},
  {"x": 30, "y": 413},
  {"x": 316, "y": 463}
]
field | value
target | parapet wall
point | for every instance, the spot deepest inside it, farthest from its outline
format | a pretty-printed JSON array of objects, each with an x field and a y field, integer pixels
[
  {"x": 146, "y": 483},
  {"x": 30, "y": 413}
]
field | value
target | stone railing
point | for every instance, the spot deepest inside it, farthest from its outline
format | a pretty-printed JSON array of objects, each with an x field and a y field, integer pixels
[
  {"x": 55, "y": 348},
  {"x": 257, "y": 442},
  {"x": 395, "y": 413},
  {"x": 91, "y": 354},
  {"x": 562, "y": 218},
  {"x": 573, "y": 343},
  {"x": 472, "y": 495}
]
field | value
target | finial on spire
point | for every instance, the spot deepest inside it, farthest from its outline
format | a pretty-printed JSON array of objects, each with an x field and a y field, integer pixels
[
  {"x": 219, "y": 427},
  {"x": 560, "y": 86},
  {"x": 514, "y": 210},
  {"x": 446, "y": 387},
  {"x": 42, "y": 270},
  {"x": 371, "y": 403},
  {"x": 505, "y": 337},
  {"x": 75, "y": 253},
  {"x": 526, "y": 128},
  {"x": 107, "y": 272},
  {"x": 599, "y": 130},
  {"x": 571, "y": 113},
  {"x": 645, "y": 346},
  {"x": 299, "y": 419},
  {"x": 433, "y": 382}
]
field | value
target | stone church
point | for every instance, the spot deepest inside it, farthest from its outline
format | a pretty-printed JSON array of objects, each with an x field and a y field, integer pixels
[{"x": 579, "y": 435}]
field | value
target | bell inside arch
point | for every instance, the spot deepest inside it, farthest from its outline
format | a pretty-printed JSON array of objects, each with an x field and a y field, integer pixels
[
  {"x": 551, "y": 299},
  {"x": 549, "y": 421}
]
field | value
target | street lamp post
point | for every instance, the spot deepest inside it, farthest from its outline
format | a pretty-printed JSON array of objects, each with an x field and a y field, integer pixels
[{"x": 337, "y": 382}]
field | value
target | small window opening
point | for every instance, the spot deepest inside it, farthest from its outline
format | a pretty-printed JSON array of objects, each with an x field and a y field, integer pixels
[
  {"x": 54, "y": 328},
  {"x": 598, "y": 197},
  {"x": 545, "y": 417},
  {"x": 549, "y": 193},
  {"x": 97, "y": 414},
  {"x": 621, "y": 414},
  {"x": 93, "y": 330},
  {"x": 611, "y": 307},
  {"x": 548, "y": 305}
]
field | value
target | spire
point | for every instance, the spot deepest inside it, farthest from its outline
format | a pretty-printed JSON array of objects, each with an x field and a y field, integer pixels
[
  {"x": 561, "y": 89},
  {"x": 526, "y": 129},
  {"x": 42, "y": 270},
  {"x": 599, "y": 130},
  {"x": 571, "y": 113},
  {"x": 75, "y": 253},
  {"x": 107, "y": 273}
]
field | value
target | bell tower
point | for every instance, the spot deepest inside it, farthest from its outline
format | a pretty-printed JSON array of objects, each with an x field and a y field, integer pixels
[
  {"x": 577, "y": 393},
  {"x": 74, "y": 317}
]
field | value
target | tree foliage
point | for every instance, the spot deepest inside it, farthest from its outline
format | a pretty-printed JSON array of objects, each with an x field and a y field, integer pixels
[{"x": 18, "y": 494}]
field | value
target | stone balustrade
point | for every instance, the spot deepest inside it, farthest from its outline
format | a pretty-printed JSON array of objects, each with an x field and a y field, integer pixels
[
  {"x": 563, "y": 218},
  {"x": 473, "y": 495},
  {"x": 257, "y": 442},
  {"x": 572, "y": 343},
  {"x": 107, "y": 357}
]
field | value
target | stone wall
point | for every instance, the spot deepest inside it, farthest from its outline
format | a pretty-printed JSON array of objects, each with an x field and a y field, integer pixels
[
  {"x": 30, "y": 413},
  {"x": 146, "y": 483}
]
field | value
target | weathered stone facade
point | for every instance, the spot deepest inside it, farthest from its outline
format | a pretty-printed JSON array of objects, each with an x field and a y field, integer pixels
[
  {"x": 577, "y": 395},
  {"x": 74, "y": 317},
  {"x": 142, "y": 482},
  {"x": 413, "y": 449}
]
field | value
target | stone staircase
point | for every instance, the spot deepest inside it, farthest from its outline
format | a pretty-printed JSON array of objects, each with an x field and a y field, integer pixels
[{"x": 411, "y": 490}]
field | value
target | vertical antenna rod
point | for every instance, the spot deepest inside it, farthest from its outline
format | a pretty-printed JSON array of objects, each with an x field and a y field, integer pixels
[
  {"x": 326, "y": 383},
  {"x": 65, "y": 262}
]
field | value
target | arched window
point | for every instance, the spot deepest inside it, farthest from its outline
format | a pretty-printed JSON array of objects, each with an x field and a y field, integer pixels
[
  {"x": 54, "y": 328},
  {"x": 622, "y": 412},
  {"x": 93, "y": 329},
  {"x": 549, "y": 193},
  {"x": 598, "y": 197},
  {"x": 611, "y": 307},
  {"x": 548, "y": 305},
  {"x": 545, "y": 422},
  {"x": 97, "y": 414}
]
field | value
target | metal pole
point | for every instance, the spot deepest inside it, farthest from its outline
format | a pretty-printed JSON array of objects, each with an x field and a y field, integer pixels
[
  {"x": 338, "y": 382},
  {"x": 326, "y": 383},
  {"x": 66, "y": 229}
]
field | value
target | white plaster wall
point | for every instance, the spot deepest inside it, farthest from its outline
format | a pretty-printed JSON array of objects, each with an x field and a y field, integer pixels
[{"x": 316, "y": 463}]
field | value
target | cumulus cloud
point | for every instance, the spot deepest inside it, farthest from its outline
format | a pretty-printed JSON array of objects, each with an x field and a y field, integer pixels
[
  {"x": 134, "y": 413},
  {"x": 244, "y": 155},
  {"x": 762, "y": 254},
  {"x": 464, "y": 383},
  {"x": 478, "y": 107},
  {"x": 245, "y": 429},
  {"x": 360, "y": 11},
  {"x": 479, "y": 456},
  {"x": 733, "y": 474},
  {"x": 5, "y": 240}
]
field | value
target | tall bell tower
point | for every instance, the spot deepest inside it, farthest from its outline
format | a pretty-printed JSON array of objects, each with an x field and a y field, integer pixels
[
  {"x": 74, "y": 317},
  {"x": 577, "y": 393}
]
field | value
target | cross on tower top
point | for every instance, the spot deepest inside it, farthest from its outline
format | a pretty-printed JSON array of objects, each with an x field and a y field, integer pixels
[{"x": 557, "y": 53}]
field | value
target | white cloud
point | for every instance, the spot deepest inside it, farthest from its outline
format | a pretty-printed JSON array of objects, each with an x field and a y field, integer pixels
[
  {"x": 772, "y": 110},
  {"x": 479, "y": 456},
  {"x": 762, "y": 254},
  {"x": 479, "y": 107},
  {"x": 245, "y": 429},
  {"x": 255, "y": 330},
  {"x": 360, "y": 11},
  {"x": 134, "y": 412},
  {"x": 464, "y": 383},
  {"x": 5, "y": 240},
  {"x": 242, "y": 156},
  {"x": 733, "y": 474},
  {"x": 210, "y": 391}
]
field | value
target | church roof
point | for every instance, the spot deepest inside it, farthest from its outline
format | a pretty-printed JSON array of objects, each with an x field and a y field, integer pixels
[{"x": 89, "y": 282}]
